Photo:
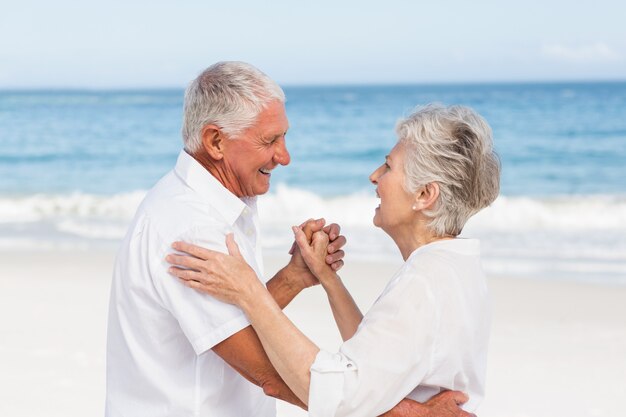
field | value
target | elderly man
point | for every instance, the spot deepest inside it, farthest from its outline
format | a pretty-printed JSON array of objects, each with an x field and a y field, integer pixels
[{"x": 172, "y": 351}]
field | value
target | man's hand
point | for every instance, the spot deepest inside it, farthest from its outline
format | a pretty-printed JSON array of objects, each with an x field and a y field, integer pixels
[
  {"x": 444, "y": 404},
  {"x": 337, "y": 241}
]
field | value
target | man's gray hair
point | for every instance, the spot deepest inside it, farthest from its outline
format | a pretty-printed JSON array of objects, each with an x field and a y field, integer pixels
[
  {"x": 229, "y": 95},
  {"x": 453, "y": 147}
]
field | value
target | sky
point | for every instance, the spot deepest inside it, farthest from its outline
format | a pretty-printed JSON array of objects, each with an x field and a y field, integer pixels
[{"x": 142, "y": 44}]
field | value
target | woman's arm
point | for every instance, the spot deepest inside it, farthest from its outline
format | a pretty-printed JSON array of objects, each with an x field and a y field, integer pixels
[
  {"x": 289, "y": 350},
  {"x": 345, "y": 311},
  {"x": 230, "y": 279}
]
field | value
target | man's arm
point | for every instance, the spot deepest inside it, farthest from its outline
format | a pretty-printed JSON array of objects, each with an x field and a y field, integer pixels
[
  {"x": 243, "y": 350},
  {"x": 244, "y": 353}
]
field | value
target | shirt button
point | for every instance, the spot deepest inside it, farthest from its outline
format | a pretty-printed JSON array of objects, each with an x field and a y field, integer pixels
[{"x": 249, "y": 232}]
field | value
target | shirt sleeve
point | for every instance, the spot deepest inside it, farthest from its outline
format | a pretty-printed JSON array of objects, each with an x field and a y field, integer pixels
[
  {"x": 384, "y": 361},
  {"x": 204, "y": 320}
]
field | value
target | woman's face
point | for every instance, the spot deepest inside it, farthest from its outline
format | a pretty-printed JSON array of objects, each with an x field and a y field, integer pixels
[{"x": 395, "y": 209}]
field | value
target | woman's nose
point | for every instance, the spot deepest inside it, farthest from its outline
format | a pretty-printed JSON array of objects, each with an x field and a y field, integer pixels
[{"x": 374, "y": 176}]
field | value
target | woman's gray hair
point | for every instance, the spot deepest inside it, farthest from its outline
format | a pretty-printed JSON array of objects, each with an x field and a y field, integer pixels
[
  {"x": 453, "y": 147},
  {"x": 229, "y": 95}
]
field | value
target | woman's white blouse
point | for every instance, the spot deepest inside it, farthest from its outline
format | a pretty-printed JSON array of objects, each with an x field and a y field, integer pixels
[{"x": 428, "y": 331}]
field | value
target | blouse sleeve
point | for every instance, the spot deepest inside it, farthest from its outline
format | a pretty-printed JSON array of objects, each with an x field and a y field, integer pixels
[{"x": 384, "y": 361}]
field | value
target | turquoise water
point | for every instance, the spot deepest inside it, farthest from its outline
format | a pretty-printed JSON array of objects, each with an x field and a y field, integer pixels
[
  {"x": 74, "y": 165},
  {"x": 554, "y": 139}
]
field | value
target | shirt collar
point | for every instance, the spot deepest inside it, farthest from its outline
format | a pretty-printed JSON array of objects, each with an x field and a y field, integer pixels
[
  {"x": 463, "y": 246},
  {"x": 208, "y": 187}
]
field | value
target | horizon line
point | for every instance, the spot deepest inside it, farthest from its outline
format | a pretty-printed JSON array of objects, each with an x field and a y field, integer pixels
[{"x": 329, "y": 84}]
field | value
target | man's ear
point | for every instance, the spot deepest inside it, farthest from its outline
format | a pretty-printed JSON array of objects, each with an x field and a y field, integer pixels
[
  {"x": 213, "y": 141},
  {"x": 426, "y": 196}
]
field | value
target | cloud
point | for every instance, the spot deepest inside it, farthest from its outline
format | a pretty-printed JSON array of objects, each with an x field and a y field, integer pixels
[{"x": 589, "y": 53}]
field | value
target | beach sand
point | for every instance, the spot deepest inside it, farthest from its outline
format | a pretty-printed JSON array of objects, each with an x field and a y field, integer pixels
[{"x": 557, "y": 348}]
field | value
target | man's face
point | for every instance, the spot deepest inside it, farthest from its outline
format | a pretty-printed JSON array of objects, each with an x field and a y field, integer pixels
[{"x": 250, "y": 158}]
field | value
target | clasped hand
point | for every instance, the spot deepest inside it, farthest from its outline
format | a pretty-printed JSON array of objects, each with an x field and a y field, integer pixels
[{"x": 314, "y": 252}]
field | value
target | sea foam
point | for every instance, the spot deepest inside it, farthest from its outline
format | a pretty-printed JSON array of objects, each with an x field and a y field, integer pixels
[
  {"x": 559, "y": 236},
  {"x": 287, "y": 205}
]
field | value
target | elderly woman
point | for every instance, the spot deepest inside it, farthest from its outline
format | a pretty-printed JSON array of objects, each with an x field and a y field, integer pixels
[{"x": 428, "y": 330}]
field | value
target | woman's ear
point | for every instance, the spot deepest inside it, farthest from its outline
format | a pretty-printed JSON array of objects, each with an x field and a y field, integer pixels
[
  {"x": 426, "y": 197},
  {"x": 213, "y": 141}
]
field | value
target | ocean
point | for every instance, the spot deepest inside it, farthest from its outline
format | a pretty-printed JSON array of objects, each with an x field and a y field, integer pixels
[{"x": 75, "y": 164}]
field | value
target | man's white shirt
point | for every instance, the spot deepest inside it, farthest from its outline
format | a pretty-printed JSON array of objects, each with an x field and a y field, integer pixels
[{"x": 160, "y": 333}]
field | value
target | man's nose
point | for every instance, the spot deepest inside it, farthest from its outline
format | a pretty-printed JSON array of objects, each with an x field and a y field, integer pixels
[{"x": 282, "y": 156}]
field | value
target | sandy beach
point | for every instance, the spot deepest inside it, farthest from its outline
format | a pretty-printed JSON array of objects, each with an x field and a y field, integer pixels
[{"x": 557, "y": 348}]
